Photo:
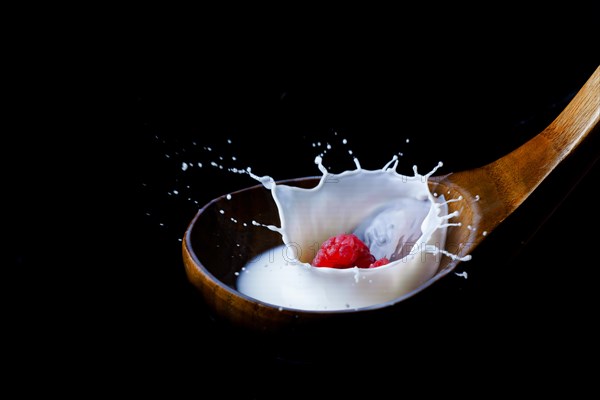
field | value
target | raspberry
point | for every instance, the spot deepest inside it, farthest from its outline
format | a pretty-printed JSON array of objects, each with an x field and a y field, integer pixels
[
  {"x": 343, "y": 251},
  {"x": 379, "y": 263}
]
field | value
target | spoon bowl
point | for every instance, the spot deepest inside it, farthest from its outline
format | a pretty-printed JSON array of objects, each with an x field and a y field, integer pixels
[{"x": 214, "y": 250}]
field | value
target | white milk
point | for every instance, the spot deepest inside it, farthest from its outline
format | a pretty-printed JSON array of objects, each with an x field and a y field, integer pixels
[{"x": 394, "y": 214}]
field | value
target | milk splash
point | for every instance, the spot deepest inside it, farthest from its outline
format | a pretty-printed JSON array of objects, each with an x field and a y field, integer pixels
[{"x": 394, "y": 214}]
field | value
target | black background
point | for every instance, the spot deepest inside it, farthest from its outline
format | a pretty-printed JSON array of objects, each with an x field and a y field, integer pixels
[{"x": 527, "y": 303}]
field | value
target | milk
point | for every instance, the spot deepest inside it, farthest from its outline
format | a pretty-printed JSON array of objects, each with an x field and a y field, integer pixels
[{"x": 394, "y": 214}]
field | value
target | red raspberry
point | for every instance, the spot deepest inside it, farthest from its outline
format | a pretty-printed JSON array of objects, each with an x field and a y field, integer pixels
[
  {"x": 343, "y": 251},
  {"x": 379, "y": 263}
]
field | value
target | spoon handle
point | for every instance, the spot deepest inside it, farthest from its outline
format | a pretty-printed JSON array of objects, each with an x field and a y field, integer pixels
[
  {"x": 530, "y": 164},
  {"x": 577, "y": 120},
  {"x": 505, "y": 183}
]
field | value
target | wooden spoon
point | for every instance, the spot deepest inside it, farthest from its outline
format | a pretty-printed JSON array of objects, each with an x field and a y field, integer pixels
[{"x": 214, "y": 251}]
